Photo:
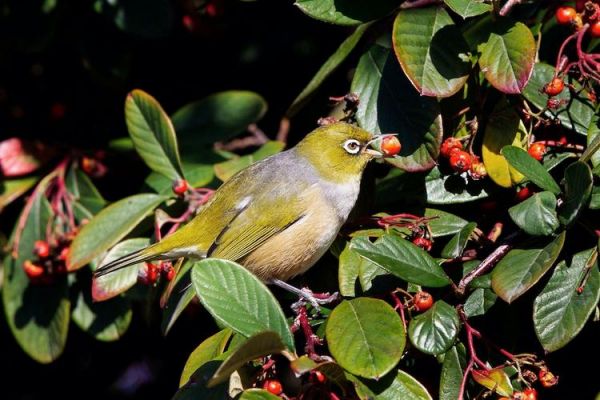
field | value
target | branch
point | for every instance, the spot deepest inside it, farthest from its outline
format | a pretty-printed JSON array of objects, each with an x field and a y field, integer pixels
[{"x": 508, "y": 6}]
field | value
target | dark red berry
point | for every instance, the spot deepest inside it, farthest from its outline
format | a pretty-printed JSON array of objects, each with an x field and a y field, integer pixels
[
  {"x": 168, "y": 271},
  {"x": 524, "y": 193},
  {"x": 390, "y": 146},
  {"x": 537, "y": 150},
  {"x": 149, "y": 275},
  {"x": 32, "y": 270},
  {"x": 449, "y": 146},
  {"x": 180, "y": 186},
  {"x": 553, "y": 104},
  {"x": 423, "y": 301},
  {"x": 564, "y": 15},
  {"x": 461, "y": 161},
  {"x": 423, "y": 243},
  {"x": 554, "y": 87},
  {"x": 595, "y": 29},
  {"x": 273, "y": 386},
  {"x": 41, "y": 249}
]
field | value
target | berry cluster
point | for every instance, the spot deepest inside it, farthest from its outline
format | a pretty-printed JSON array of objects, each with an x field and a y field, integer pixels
[
  {"x": 462, "y": 161},
  {"x": 50, "y": 259},
  {"x": 151, "y": 272}
]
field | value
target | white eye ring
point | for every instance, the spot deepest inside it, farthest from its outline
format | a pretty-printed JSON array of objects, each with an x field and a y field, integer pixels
[{"x": 352, "y": 146}]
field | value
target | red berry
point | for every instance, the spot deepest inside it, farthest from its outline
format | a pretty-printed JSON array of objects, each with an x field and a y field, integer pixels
[
  {"x": 554, "y": 87},
  {"x": 537, "y": 150},
  {"x": 41, "y": 249},
  {"x": 530, "y": 394},
  {"x": 553, "y": 104},
  {"x": 64, "y": 254},
  {"x": 595, "y": 29},
  {"x": 423, "y": 301},
  {"x": 564, "y": 15},
  {"x": 168, "y": 271},
  {"x": 88, "y": 165},
  {"x": 524, "y": 193},
  {"x": 423, "y": 243},
  {"x": 149, "y": 275},
  {"x": 390, "y": 146},
  {"x": 273, "y": 386},
  {"x": 180, "y": 186},
  {"x": 32, "y": 270},
  {"x": 562, "y": 141},
  {"x": 449, "y": 146},
  {"x": 319, "y": 376},
  {"x": 547, "y": 378},
  {"x": 461, "y": 161}
]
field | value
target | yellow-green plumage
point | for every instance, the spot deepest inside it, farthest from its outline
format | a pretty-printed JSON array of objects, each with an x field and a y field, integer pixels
[{"x": 278, "y": 216}]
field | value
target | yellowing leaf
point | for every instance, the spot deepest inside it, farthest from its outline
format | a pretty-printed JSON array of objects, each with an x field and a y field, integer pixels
[
  {"x": 494, "y": 379},
  {"x": 504, "y": 128}
]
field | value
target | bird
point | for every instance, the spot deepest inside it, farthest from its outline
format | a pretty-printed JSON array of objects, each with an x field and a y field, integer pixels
[{"x": 278, "y": 216}]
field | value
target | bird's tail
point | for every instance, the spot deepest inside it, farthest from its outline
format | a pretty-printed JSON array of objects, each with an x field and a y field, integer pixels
[{"x": 142, "y": 255}]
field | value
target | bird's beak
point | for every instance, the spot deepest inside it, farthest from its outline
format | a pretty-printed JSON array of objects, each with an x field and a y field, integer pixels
[{"x": 376, "y": 139}]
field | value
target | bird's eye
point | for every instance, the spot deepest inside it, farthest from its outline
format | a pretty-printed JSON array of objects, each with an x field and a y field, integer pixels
[{"x": 352, "y": 146}]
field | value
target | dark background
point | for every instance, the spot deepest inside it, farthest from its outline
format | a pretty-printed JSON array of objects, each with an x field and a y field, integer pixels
[{"x": 64, "y": 76}]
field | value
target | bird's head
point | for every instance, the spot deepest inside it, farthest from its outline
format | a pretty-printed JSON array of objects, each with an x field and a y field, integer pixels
[{"x": 339, "y": 152}]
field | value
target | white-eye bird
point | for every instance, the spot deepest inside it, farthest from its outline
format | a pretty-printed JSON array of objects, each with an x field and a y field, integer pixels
[{"x": 278, "y": 216}]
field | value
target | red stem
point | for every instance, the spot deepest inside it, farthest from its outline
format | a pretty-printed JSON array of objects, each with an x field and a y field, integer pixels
[{"x": 463, "y": 382}]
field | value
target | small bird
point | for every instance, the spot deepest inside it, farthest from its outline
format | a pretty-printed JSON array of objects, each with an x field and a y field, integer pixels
[{"x": 278, "y": 216}]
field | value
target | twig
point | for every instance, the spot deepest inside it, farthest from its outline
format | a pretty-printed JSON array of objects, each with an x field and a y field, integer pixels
[
  {"x": 508, "y": 6},
  {"x": 284, "y": 129}
]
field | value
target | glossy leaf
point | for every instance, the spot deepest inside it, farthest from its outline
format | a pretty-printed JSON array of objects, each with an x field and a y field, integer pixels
[
  {"x": 208, "y": 350},
  {"x": 576, "y": 111},
  {"x": 468, "y": 8},
  {"x": 560, "y": 311},
  {"x": 443, "y": 223},
  {"x": 260, "y": 345},
  {"x": 238, "y": 299},
  {"x": 479, "y": 302},
  {"x": 536, "y": 215},
  {"x": 520, "y": 269},
  {"x": 396, "y": 386},
  {"x": 431, "y": 51},
  {"x": 152, "y": 133},
  {"x": 12, "y": 189},
  {"x": 227, "y": 169},
  {"x": 107, "y": 321},
  {"x": 494, "y": 379},
  {"x": 108, "y": 227},
  {"x": 531, "y": 168},
  {"x": 327, "y": 68},
  {"x": 345, "y": 12},
  {"x": 38, "y": 315},
  {"x": 508, "y": 56},
  {"x": 578, "y": 188},
  {"x": 455, "y": 247},
  {"x": 219, "y": 116},
  {"x": 403, "y": 259},
  {"x": 504, "y": 128},
  {"x": 452, "y": 189},
  {"x": 451, "y": 375},
  {"x": 365, "y": 336},
  {"x": 434, "y": 331},
  {"x": 110, "y": 285},
  {"x": 84, "y": 191},
  {"x": 388, "y": 103}
]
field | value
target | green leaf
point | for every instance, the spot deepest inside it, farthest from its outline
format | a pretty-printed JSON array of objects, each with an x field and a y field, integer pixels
[
  {"x": 403, "y": 259},
  {"x": 367, "y": 272},
  {"x": 520, "y": 269},
  {"x": 431, "y": 51},
  {"x": 508, "y": 56},
  {"x": 348, "y": 271},
  {"x": 452, "y": 189},
  {"x": 258, "y": 394},
  {"x": 132, "y": 16},
  {"x": 451, "y": 375},
  {"x": 206, "y": 351},
  {"x": 227, "y": 169},
  {"x": 468, "y": 8},
  {"x": 531, "y": 168},
  {"x": 110, "y": 285},
  {"x": 443, "y": 223},
  {"x": 576, "y": 111},
  {"x": 536, "y": 215},
  {"x": 84, "y": 191},
  {"x": 107, "y": 321},
  {"x": 578, "y": 188},
  {"x": 38, "y": 315},
  {"x": 152, "y": 133},
  {"x": 434, "y": 331},
  {"x": 219, "y": 116},
  {"x": 494, "y": 379},
  {"x": 345, "y": 12},
  {"x": 504, "y": 128},
  {"x": 238, "y": 299},
  {"x": 260, "y": 345},
  {"x": 197, "y": 389},
  {"x": 365, "y": 336},
  {"x": 197, "y": 175},
  {"x": 327, "y": 68},
  {"x": 11, "y": 189},
  {"x": 109, "y": 226},
  {"x": 455, "y": 247},
  {"x": 595, "y": 198},
  {"x": 393, "y": 387},
  {"x": 592, "y": 152},
  {"x": 559, "y": 311},
  {"x": 389, "y": 103},
  {"x": 479, "y": 302}
]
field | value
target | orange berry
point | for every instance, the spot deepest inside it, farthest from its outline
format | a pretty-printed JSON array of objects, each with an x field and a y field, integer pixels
[
  {"x": 423, "y": 243},
  {"x": 547, "y": 378},
  {"x": 41, "y": 249},
  {"x": 530, "y": 394},
  {"x": 423, "y": 301},
  {"x": 595, "y": 29},
  {"x": 554, "y": 87},
  {"x": 461, "y": 161},
  {"x": 564, "y": 15},
  {"x": 32, "y": 270},
  {"x": 390, "y": 146},
  {"x": 537, "y": 150},
  {"x": 273, "y": 386},
  {"x": 449, "y": 146}
]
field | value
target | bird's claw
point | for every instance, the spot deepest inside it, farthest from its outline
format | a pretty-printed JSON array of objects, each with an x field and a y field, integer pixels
[{"x": 315, "y": 299}]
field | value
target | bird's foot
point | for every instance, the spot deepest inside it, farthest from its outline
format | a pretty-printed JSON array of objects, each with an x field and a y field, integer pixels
[{"x": 307, "y": 296}]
